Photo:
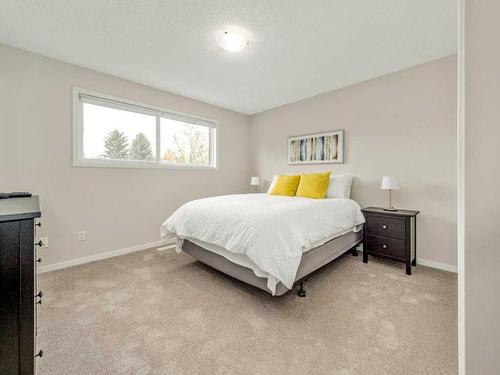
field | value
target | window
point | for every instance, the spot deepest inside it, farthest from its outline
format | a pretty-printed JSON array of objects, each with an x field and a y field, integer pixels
[
  {"x": 112, "y": 132},
  {"x": 184, "y": 143}
]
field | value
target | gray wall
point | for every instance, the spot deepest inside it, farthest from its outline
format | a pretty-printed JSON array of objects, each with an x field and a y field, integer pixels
[
  {"x": 482, "y": 192},
  {"x": 402, "y": 124},
  {"x": 118, "y": 208}
]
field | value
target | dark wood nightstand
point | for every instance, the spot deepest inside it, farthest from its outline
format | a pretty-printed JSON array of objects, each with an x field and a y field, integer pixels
[{"x": 391, "y": 235}]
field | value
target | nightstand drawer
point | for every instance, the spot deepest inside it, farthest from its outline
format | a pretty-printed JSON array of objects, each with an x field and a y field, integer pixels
[
  {"x": 385, "y": 226},
  {"x": 386, "y": 246}
]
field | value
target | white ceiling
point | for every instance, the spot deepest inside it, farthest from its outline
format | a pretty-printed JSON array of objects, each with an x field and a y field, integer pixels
[{"x": 298, "y": 48}]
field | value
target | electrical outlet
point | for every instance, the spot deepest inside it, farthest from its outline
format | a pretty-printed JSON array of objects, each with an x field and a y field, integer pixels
[
  {"x": 82, "y": 235},
  {"x": 45, "y": 241}
]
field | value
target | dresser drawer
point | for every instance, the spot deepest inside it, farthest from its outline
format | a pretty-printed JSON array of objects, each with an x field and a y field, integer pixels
[
  {"x": 386, "y": 246},
  {"x": 385, "y": 226}
]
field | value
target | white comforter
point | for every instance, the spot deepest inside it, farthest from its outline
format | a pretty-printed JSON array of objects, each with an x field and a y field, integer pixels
[{"x": 273, "y": 231}]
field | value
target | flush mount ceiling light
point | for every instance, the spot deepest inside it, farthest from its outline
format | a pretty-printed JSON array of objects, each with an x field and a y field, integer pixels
[{"x": 232, "y": 41}]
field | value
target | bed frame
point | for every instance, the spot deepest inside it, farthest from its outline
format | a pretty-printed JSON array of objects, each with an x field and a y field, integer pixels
[{"x": 312, "y": 261}]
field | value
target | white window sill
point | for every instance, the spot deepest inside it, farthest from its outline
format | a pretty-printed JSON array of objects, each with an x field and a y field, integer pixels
[{"x": 97, "y": 163}]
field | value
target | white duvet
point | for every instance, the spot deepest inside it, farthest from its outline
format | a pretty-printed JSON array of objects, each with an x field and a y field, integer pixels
[{"x": 272, "y": 231}]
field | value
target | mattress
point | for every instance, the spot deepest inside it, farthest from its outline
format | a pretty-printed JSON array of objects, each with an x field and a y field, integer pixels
[
  {"x": 311, "y": 261},
  {"x": 244, "y": 261}
]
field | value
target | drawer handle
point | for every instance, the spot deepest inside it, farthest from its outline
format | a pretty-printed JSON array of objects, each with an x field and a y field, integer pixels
[
  {"x": 39, "y": 260},
  {"x": 384, "y": 226},
  {"x": 39, "y": 295},
  {"x": 39, "y": 354},
  {"x": 39, "y": 224},
  {"x": 384, "y": 246},
  {"x": 39, "y": 243}
]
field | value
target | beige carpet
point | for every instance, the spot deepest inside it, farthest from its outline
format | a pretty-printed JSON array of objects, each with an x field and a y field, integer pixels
[{"x": 163, "y": 313}]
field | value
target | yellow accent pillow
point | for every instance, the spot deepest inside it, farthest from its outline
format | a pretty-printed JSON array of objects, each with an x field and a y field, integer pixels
[
  {"x": 286, "y": 185},
  {"x": 313, "y": 185}
]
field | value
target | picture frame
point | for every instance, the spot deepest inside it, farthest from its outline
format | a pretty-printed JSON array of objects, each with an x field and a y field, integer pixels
[{"x": 317, "y": 148}]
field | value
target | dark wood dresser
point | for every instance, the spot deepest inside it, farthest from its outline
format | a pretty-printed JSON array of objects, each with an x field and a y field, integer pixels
[
  {"x": 391, "y": 235},
  {"x": 18, "y": 289}
]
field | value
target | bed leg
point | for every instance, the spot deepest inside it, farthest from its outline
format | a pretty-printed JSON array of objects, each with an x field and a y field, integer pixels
[
  {"x": 354, "y": 252},
  {"x": 302, "y": 292}
]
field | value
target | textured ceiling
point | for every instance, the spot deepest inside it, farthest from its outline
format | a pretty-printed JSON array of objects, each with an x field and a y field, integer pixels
[{"x": 298, "y": 48}]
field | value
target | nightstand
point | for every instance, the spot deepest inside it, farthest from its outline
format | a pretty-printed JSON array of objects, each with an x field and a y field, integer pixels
[{"x": 391, "y": 235}]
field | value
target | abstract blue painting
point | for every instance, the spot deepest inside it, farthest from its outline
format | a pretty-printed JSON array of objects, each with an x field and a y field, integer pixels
[{"x": 316, "y": 148}]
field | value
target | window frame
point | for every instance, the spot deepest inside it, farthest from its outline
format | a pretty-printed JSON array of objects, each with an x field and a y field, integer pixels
[{"x": 137, "y": 107}]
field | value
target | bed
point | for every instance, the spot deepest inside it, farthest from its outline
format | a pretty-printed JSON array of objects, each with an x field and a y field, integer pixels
[{"x": 268, "y": 241}]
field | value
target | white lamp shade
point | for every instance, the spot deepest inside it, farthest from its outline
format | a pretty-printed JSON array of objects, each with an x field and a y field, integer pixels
[
  {"x": 390, "y": 183},
  {"x": 255, "y": 181}
]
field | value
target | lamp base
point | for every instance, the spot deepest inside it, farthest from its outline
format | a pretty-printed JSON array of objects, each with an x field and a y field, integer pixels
[{"x": 392, "y": 209}]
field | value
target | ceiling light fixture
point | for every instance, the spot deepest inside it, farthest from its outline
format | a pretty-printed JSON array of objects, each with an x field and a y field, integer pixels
[{"x": 233, "y": 42}]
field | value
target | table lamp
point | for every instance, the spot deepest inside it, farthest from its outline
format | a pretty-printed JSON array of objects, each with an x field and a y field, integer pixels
[
  {"x": 390, "y": 183},
  {"x": 255, "y": 181}
]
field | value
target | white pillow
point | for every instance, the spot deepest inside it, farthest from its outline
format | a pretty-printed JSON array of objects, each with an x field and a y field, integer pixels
[
  {"x": 340, "y": 186},
  {"x": 273, "y": 183}
]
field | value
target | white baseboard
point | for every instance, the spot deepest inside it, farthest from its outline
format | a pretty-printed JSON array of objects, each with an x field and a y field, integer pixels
[
  {"x": 427, "y": 263},
  {"x": 161, "y": 245},
  {"x": 437, "y": 265},
  {"x": 166, "y": 247},
  {"x": 92, "y": 258}
]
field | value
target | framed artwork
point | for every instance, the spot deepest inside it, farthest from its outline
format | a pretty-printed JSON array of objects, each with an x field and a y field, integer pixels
[{"x": 319, "y": 148}]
